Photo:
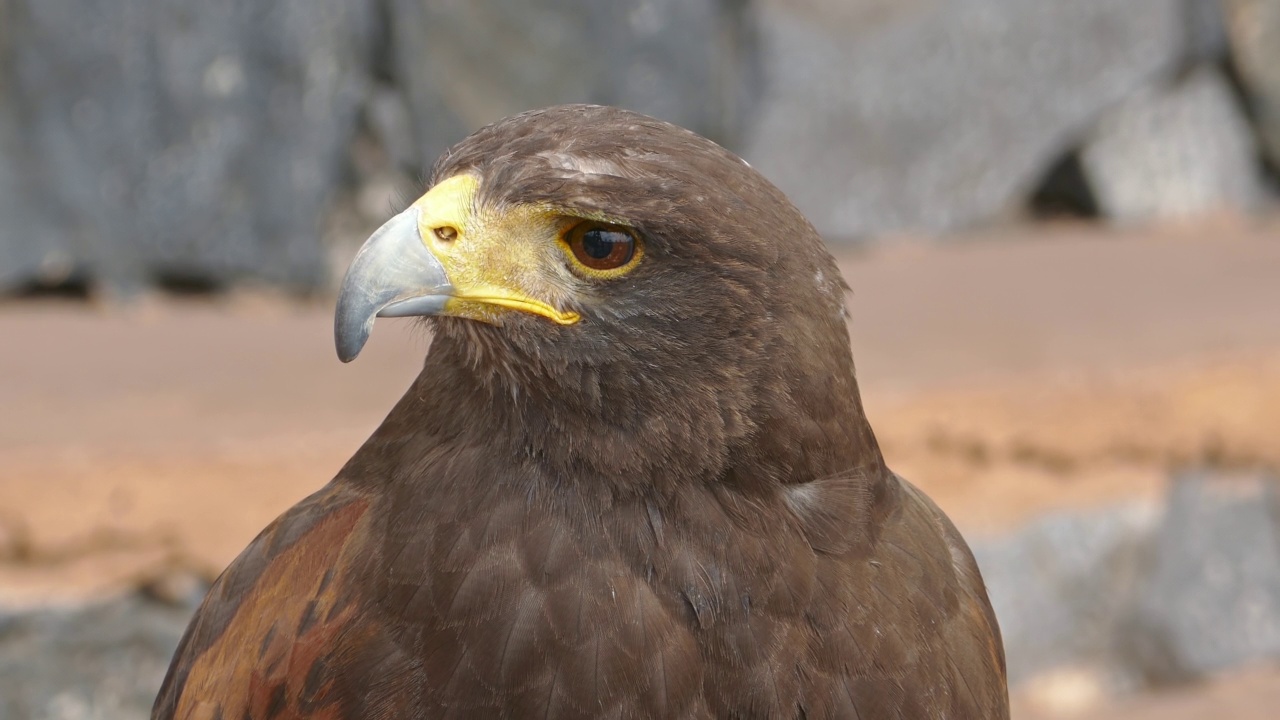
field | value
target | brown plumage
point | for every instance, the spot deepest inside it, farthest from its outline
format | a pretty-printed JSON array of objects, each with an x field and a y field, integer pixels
[{"x": 667, "y": 503}]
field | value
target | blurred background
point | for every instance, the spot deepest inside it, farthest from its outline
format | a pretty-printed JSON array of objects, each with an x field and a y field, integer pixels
[{"x": 1060, "y": 220}]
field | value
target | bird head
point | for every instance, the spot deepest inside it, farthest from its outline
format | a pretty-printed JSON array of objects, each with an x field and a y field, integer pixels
[{"x": 620, "y": 269}]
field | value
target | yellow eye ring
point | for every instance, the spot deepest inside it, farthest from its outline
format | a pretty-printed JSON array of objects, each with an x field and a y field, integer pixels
[{"x": 602, "y": 250}]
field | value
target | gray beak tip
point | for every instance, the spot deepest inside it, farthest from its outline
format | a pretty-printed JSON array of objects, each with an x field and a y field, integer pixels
[{"x": 350, "y": 333}]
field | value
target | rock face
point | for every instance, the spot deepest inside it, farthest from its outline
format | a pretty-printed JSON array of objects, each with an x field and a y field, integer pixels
[
  {"x": 929, "y": 114},
  {"x": 201, "y": 141},
  {"x": 1212, "y": 599},
  {"x": 466, "y": 64},
  {"x": 1143, "y": 596},
  {"x": 1206, "y": 31},
  {"x": 1254, "y": 27},
  {"x": 1181, "y": 152},
  {"x": 104, "y": 662},
  {"x": 1061, "y": 586},
  {"x": 196, "y": 141}
]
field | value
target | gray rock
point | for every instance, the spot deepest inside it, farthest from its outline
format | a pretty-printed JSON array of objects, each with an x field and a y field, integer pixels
[
  {"x": 466, "y": 63},
  {"x": 933, "y": 114},
  {"x": 1175, "y": 153},
  {"x": 388, "y": 117},
  {"x": 103, "y": 662},
  {"x": 1254, "y": 28},
  {"x": 1206, "y": 30},
  {"x": 1213, "y": 596},
  {"x": 32, "y": 248},
  {"x": 148, "y": 138},
  {"x": 1144, "y": 596},
  {"x": 1060, "y": 586}
]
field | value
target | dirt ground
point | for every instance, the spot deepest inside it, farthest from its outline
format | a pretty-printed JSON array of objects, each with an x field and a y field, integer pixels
[{"x": 1010, "y": 374}]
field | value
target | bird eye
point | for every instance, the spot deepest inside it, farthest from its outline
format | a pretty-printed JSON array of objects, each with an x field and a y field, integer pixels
[{"x": 601, "y": 247}]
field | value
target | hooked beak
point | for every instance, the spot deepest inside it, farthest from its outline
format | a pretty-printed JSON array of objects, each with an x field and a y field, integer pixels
[
  {"x": 441, "y": 257},
  {"x": 393, "y": 275}
]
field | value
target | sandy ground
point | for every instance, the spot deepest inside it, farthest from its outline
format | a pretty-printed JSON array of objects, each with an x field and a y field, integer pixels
[
  {"x": 1008, "y": 375},
  {"x": 1247, "y": 694}
]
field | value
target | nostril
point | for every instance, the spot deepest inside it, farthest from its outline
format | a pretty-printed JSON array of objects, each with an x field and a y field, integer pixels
[{"x": 446, "y": 233}]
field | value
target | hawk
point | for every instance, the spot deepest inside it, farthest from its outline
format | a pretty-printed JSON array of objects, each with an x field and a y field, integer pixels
[{"x": 634, "y": 478}]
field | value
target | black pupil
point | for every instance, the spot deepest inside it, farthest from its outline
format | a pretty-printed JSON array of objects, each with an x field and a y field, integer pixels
[{"x": 599, "y": 244}]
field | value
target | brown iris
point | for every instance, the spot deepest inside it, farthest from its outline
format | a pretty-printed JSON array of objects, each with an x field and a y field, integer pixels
[{"x": 601, "y": 247}]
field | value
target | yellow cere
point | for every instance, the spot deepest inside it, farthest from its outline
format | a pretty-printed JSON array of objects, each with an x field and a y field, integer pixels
[
  {"x": 449, "y": 203},
  {"x": 492, "y": 261}
]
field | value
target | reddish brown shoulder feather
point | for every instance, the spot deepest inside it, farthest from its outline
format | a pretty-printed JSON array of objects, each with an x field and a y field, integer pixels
[{"x": 257, "y": 646}]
